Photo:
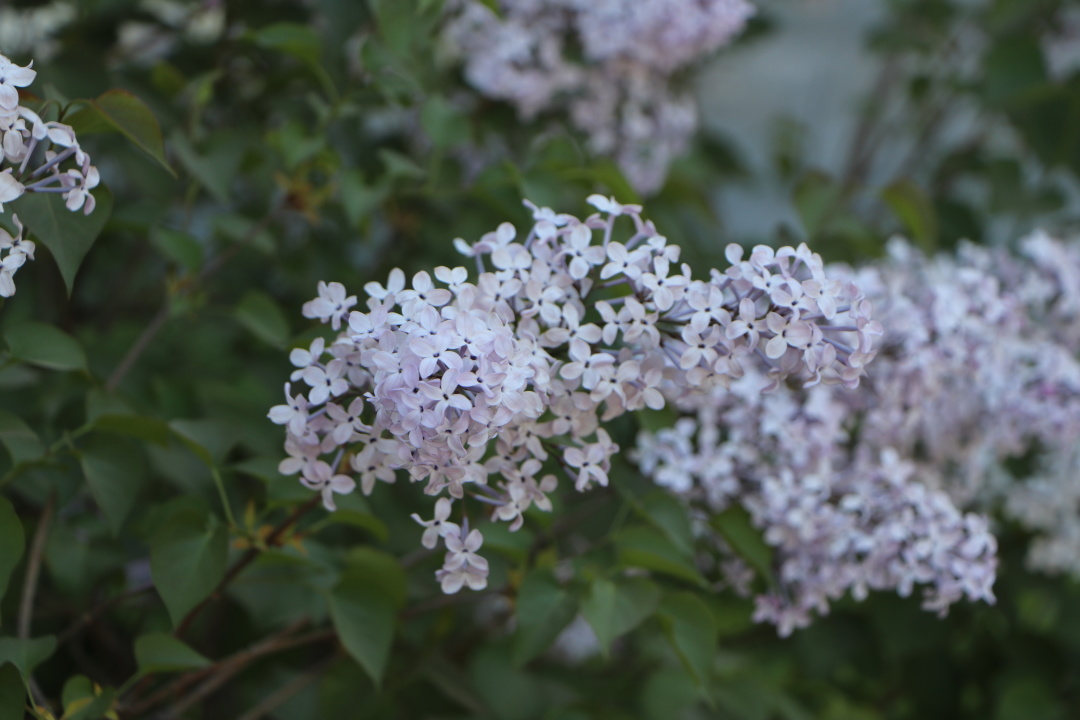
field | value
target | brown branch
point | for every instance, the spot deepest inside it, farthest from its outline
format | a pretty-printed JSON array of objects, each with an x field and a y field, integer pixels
[
  {"x": 249, "y": 557},
  {"x": 136, "y": 706},
  {"x": 222, "y": 671},
  {"x": 33, "y": 569},
  {"x": 30, "y": 584}
]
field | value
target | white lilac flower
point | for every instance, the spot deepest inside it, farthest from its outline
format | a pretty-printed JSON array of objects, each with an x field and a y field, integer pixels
[
  {"x": 471, "y": 387},
  {"x": 13, "y": 77},
  {"x": 331, "y": 304},
  {"x": 463, "y": 566},
  {"x": 439, "y": 526}
]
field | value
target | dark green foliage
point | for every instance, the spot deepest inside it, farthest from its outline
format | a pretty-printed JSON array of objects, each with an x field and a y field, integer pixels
[{"x": 327, "y": 141}]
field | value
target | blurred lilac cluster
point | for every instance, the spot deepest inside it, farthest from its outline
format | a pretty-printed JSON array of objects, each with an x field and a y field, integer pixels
[
  {"x": 974, "y": 403},
  {"x": 475, "y": 385},
  {"x": 607, "y": 63}
]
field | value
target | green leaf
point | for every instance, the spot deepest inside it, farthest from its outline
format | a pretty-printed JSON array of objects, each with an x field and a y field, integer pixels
[
  {"x": 161, "y": 652},
  {"x": 82, "y": 701},
  {"x": 359, "y": 519},
  {"x": 45, "y": 346},
  {"x": 210, "y": 439},
  {"x": 646, "y": 547},
  {"x": 187, "y": 559},
  {"x": 12, "y": 543},
  {"x": 915, "y": 210},
  {"x": 135, "y": 121},
  {"x": 668, "y": 514},
  {"x": 68, "y": 235},
  {"x": 363, "y": 606},
  {"x": 735, "y": 526},
  {"x": 26, "y": 655},
  {"x": 296, "y": 143},
  {"x": 141, "y": 427},
  {"x": 280, "y": 588},
  {"x": 690, "y": 629},
  {"x": 294, "y": 39},
  {"x": 92, "y": 707},
  {"x": 816, "y": 196},
  {"x": 376, "y": 568},
  {"x": 115, "y": 472},
  {"x": 297, "y": 40},
  {"x": 616, "y": 608},
  {"x": 358, "y": 197},
  {"x": 450, "y": 679},
  {"x": 444, "y": 124},
  {"x": 544, "y": 609},
  {"x": 21, "y": 442},
  {"x": 400, "y": 166},
  {"x": 181, "y": 248},
  {"x": 12, "y": 693},
  {"x": 262, "y": 316},
  {"x": 216, "y": 164},
  {"x": 1014, "y": 67},
  {"x": 511, "y": 693},
  {"x": 76, "y": 688},
  {"x": 426, "y": 5}
]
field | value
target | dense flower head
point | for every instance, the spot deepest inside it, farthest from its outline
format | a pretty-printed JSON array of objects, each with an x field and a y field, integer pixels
[
  {"x": 974, "y": 402},
  {"x": 488, "y": 386},
  {"x": 25, "y": 141},
  {"x": 608, "y": 63}
]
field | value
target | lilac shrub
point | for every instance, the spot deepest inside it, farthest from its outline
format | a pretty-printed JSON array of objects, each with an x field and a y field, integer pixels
[
  {"x": 974, "y": 401},
  {"x": 24, "y": 132},
  {"x": 476, "y": 385},
  {"x": 607, "y": 63}
]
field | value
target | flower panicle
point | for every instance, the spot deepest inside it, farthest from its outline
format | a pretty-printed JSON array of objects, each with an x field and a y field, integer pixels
[
  {"x": 867, "y": 490},
  {"x": 474, "y": 384},
  {"x": 608, "y": 65}
]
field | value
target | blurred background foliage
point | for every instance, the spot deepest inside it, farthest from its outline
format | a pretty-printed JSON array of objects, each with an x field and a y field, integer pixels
[{"x": 330, "y": 140}]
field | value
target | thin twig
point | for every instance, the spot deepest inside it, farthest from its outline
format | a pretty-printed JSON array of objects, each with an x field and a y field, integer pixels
[
  {"x": 222, "y": 671},
  {"x": 30, "y": 584},
  {"x": 150, "y": 331},
  {"x": 136, "y": 707},
  {"x": 249, "y": 557},
  {"x": 276, "y": 698},
  {"x": 33, "y": 568},
  {"x": 138, "y": 348}
]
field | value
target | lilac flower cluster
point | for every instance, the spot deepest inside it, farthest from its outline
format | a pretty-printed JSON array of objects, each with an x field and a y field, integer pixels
[
  {"x": 981, "y": 384},
  {"x": 608, "y": 63},
  {"x": 23, "y": 132},
  {"x": 839, "y": 521},
  {"x": 974, "y": 402},
  {"x": 475, "y": 386}
]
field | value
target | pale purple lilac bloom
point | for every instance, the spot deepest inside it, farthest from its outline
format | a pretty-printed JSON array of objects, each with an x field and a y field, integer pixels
[
  {"x": 973, "y": 404},
  {"x": 608, "y": 64},
  {"x": 471, "y": 388}
]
